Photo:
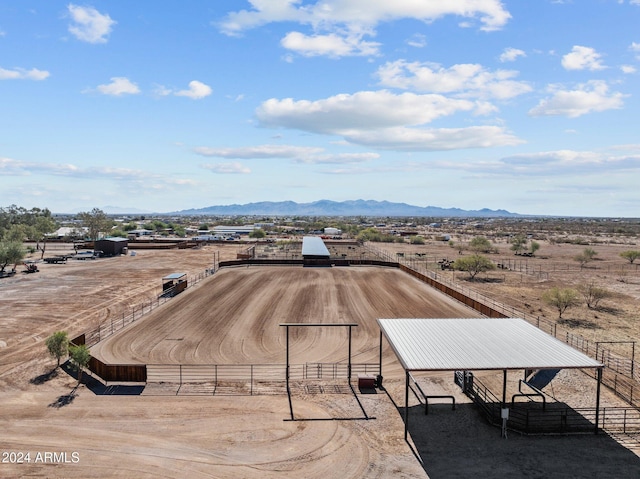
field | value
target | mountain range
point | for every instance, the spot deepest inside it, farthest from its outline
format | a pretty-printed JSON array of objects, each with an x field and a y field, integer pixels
[{"x": 341, "y": 208}]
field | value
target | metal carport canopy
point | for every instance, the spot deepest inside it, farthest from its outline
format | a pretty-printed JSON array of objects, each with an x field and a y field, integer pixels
[
  {"x": 314, "y": 246},
  {"x": 475, "y": 344},
  {"x": 478, "y": 344}
]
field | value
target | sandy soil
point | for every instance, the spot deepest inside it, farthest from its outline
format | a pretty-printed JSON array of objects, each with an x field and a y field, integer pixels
[{"x": 145, "y": 435}]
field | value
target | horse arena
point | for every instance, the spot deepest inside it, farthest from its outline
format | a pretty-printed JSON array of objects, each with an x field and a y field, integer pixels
[{"x": 215, "y": 404}]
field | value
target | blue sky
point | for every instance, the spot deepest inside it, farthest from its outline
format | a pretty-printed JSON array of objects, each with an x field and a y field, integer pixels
[{"x": 533, "y": 107}]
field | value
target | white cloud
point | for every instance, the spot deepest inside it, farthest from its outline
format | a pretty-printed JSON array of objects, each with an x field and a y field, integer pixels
[
  {"x": 77, "y": 183},
  {"x": 160, "y": 90},
  {"x": 338, "y": 26},
  {"x": 89, "y": 25},
  {"x": 491, "y": 13},
  {"x": 339, "y": 158},
  {"x": 357, "y": 171},
  {"x": 433, "y": 139},
  {"x": 511, "y": 55},
  {"x": 628, "y": 69},
  {"x": 384, "y": 120},
  {"x": 13, "y": 167},
  {"x": 362, "y": 110},
  {"x": 197, "y": 90},
  {"x": 550, "y": 163},
  {"x": 467, "y": 80},
  {"x": 582, "y": 58},
  {"x": 257, "y": 152},
  {"x": 119, "y": 86},
  {"x": 22, "y": 74},
  {"x": 332, "y": 45},
  {"x": 635, "y": 47},
  {"x": 299, "y": 154},
  {"x": 417, "y": 40},
  {"x": 590, "y": 97},
  {"x": 234, "y": 168}
]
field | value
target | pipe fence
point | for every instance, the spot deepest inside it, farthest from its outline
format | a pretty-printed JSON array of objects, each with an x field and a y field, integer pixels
[
  {"x": 243, "y": 379},
  {"x": 113, "y": 324},
  {"x": 532, "y": 418},
  {"x": 621, "y": 373}
]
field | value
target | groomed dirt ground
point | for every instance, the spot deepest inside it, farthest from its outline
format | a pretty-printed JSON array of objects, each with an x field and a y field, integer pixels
[
  {"x": 146, "y": 435},
  {"x": 233, "y": 317}
]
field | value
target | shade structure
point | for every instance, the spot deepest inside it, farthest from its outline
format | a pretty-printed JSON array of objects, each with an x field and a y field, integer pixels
[
  {"x": 478, "y": 344},
  {"x": 470, "y": 344},
  {"x": 174, "y": 276},
  {"x": 313, "y": 246}
]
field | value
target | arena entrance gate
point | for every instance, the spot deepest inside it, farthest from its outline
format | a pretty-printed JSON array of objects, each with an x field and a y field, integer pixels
[{"x": 287, "y": 326}]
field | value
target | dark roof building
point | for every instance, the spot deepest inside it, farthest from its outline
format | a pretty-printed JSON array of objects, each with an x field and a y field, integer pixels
[{"x": 112, "y": 246}]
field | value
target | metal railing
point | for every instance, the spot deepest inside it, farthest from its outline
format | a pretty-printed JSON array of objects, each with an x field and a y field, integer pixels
[
  {"x": 243, "y": 379},
  {"x": 533, "y": 418}
]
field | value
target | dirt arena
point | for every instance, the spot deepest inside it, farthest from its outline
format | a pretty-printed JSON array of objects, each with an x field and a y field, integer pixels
[{"x": 233, "y": 317}]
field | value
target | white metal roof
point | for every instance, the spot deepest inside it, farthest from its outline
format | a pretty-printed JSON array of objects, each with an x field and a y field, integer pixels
[
  {"x": 174, "y": 276},
  {"x": 478, "y": 344},
  {"x": 314, "y": 246}
]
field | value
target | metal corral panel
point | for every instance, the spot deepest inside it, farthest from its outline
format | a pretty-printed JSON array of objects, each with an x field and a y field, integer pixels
[
  {"x": 478, "y": 344},
  {"x": 314, "y": 246}
]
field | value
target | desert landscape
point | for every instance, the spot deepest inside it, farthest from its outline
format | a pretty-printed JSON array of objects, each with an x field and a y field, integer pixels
[{"x": 233, "y": 317}]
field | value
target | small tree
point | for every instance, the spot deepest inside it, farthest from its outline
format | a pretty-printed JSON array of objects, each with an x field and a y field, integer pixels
[
  {"x": 417, "y": 239},
  {"x": 585, "y": 257},
  {"x": 630, "y": 255},
  {"x": 518, "y": 243},
  {"x": 58, "y": 345},
  {"x": 42, "y": 227},
  {"x": 561, "y": 299},
  {"x": 257, "y": 234},
  {"x": 593, "y": 294},
  {"x": 474, "y": 264},
  {"x": 533, "y": 247},
  {"x": 80, "y": 357},
  {"x": 11, "y": 252},
  {"x": 480, "y": 244},
  {"x": 96, "y": 221}
]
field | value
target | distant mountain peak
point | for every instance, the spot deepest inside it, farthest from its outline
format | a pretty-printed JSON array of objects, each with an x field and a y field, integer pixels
[{"x": 341, "y": 208}]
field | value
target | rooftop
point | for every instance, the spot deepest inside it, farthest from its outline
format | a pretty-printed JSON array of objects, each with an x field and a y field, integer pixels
[
  {"x": 314, "y": 246},
  {"x": 478, "y": 344}
]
